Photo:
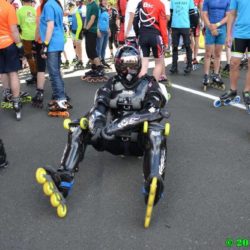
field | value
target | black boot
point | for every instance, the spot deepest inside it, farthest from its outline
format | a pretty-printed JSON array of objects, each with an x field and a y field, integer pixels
[
  {"x": 3, "y": 161},
  {"x": 174, "y": 69},
  {"x": 31, "y": 80},
  {"x": 188, "y": 69}
]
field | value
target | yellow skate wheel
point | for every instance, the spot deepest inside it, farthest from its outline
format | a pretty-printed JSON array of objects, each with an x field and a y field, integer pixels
[
  {"x": 40, "y": 175},
  {"x": 66, "y": 123},
  {"x": 145, "y": 127},
  {"x": 62, "y": 210},
  {"x": 151, "y": 199},
  {"x": 84, "y": 123},
  {"x": 167, "y": 129},
  {"x": 55, "y": 200},
  {"x": 48, "y": 188}
]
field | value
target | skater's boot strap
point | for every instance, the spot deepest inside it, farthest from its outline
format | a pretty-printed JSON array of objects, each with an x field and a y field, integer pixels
[{"x": 67, "y": 185}]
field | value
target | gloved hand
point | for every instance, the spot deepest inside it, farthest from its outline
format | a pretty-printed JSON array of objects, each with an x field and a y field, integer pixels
[
  {"x": 85, "y": 31},
  {"x": 44, "y": 50},
  {"x": 20, "y": 50}
]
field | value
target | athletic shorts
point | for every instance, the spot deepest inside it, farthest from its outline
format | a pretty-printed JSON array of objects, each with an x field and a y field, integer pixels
[
  {"x": 9, "y": 59},
  {"x": 217, "y": 40},
  {"x": 73, "y": 35},
  {"x": 40, "y": 62},
  {"x": 152, "y": 42},
  {"x": 240, "y": 46},
  {"x": 90, "y": 43}
]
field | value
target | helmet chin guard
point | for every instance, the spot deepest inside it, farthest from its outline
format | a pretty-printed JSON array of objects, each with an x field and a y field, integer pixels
[{"x": 128, "y": 65}]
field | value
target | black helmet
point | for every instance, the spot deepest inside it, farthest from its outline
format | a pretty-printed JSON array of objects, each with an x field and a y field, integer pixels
[{"x": 128, "y": 65}]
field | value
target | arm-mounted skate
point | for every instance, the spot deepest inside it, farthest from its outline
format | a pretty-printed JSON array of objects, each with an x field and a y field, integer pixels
[{"x": 135, "y": 119}]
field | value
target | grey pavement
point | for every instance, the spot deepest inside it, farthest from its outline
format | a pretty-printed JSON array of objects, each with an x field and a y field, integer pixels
[{"x": 206, "y": 198}]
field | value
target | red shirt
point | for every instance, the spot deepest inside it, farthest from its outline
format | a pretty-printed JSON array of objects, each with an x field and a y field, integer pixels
[{"x": 198, "y": 2}]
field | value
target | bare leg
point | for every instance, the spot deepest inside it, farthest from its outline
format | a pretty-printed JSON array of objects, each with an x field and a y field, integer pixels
[
  {"x": 158, "y": 68},
  {"x": 247, "y": 86},
  {"x": 40, "y": 80},
  {"x": 14, "y": 84},
  {"x": 234, "y": 72},
  {"x": 217, "y": 58},
  {"x": 208, "y": 54},
  {"x": 144, "y": 68}
]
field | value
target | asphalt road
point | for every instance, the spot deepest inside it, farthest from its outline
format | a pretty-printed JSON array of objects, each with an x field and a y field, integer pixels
[{"x": 207, "y": 183}]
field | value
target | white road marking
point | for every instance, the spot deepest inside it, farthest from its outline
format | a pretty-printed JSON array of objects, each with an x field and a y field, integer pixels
[{"x": 151, "y": 65}]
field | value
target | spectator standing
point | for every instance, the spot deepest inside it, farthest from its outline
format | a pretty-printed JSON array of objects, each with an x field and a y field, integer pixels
[
  {"x": 26, "y": 16},
  {"x": 215, "y": 15},
  {"x": 90, "y": 32},
  {"x": 182, "y": 13},
  {"x": 239, "y": 18},
  {"x": 11, "y": 51},
  {"x": 52, "y": 36},
  {"x": 113, "y": 17},
  {"x": 150, "y": 25},
  {"x": 103, "y": 31},
  {"x": 121, "y": 7},
  {"x": 129, "y": 33}
]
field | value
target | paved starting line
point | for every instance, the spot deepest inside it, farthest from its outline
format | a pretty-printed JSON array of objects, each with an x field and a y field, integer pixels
[{"x": 174, "y": 85}]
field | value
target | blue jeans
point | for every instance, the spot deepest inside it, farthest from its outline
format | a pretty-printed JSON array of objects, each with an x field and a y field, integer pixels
[
  {"x": 57, "y": 84},
  {"x": 101, "y": 44}
]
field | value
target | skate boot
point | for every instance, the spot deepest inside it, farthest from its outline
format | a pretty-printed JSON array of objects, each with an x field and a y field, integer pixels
[
  {"x": 32, "y": 80},
  {"x": 174, "y": 69},
  {"x": 105, "y": 65},
  {"x": 74, "y": 61},
  {"x": 25, "y": 97},
  {"x": 17, "y": 105},
  {"x": 188, "y": 69},
  {"x": 202, "y": 60},
  {"x": 6, "y": 102},
  {"x": 217, "y": 82},
  {"x": 225, "y": 71},
  {"x": 244, "y": 63},
  {"x": 227, "y": 98},
  {"x": 246, "y": 98},
  {"x": 195, "y": 64},
  {"x": 57, "y": 185},
  {"x": 37, "y": 100},
  {"x": 66, "y": 65},
  {"x": 3, "y": 160},
  {"x": 79, "y": 66},
  {"x": 58, "y": 108},
  {"x": 205, "y": 82}
]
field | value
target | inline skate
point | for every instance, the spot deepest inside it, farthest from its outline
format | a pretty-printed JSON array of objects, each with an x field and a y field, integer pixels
[
  {"x": 246, "y": 99},
  {"x": 225, "y": 71},
  {"x": 59, "y": 108},
  {"x": 217, "y": 82},
  {"x": 229, "y": 98},
  {"x": 95, "y": 75},
  {"x": 3, "y": 157},
  {"x": 37, "y": 100}
]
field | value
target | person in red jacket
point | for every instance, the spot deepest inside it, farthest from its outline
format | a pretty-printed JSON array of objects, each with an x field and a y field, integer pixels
[
  {"x": 121, "y": 7},
  {"x": 150, "y": 25}
]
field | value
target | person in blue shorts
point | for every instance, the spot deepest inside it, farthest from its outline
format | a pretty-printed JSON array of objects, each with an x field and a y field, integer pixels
[
  {"x": 215, "y": 15},
  {"x": 238, "y": 37}
]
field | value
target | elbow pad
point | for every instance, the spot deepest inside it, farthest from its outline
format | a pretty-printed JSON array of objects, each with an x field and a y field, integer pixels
[{"x": 103, "y": 97}]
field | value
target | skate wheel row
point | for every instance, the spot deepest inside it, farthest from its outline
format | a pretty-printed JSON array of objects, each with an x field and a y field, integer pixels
[
  {"x": 218, "y": 103},
  {"x": 166, "y": 128},
  {"x": 83, "y": 123},
  {"x": 150, "y": 204},
  {"x": 63, "y": 114},
  {"x": 49, "y": 189}
]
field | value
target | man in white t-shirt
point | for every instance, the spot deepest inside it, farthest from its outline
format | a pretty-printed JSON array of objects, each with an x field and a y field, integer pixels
[{"x": 129, "y": 18}]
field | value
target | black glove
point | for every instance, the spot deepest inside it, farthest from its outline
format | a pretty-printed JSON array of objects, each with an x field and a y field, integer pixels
[
  {"x": 33, "y": 49},
  {"x": 85, "y": 31},
  {"x": 44, "y": 49},
  {"x": 20, "y": 50}
]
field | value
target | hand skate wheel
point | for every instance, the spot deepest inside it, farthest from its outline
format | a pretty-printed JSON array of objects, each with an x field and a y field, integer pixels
[
  {"x": 55, "y": 200},
  {"x": 150, "y": 204},
  {"x": 167, "y": 129},
  {"x": 40, "y": 175},
  {"x": 62, "y": 210},
  {"x": 84, "y": 123},
  {"x": 48, "y": 188},
  {"x": 145, "y": 127},
  {"x": 66, "y": 123}
]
